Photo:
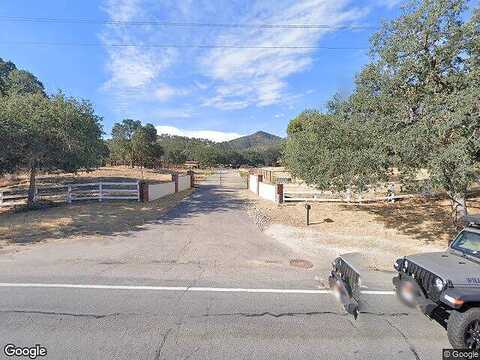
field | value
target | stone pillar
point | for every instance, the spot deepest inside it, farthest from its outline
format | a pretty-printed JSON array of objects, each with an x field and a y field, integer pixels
[
  {"x": 175, "y": 180},
  {"x": 192, "y": 178},
  {"x": 143, "y": 191},
  {"x": 259, "y": 180},
  {"x": 280, "y": 193}
]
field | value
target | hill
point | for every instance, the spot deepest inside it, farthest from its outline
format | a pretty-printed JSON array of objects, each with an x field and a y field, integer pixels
[{"x": 258, "y": 140}]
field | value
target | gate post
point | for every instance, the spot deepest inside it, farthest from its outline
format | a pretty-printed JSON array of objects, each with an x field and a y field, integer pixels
[
  {"x": 175, "y": 180},
  {"x": 143, "y": 191},
  {"x": 192, "y": 178},
  {"x": 279, "y": 193},
  {"x": 259, "y": 180}
]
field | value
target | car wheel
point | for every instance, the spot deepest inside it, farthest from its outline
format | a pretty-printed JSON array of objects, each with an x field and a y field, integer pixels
[{"x": 463, "y": 329}]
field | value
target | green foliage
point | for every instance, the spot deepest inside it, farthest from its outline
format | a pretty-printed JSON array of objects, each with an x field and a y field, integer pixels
[
  {"x": 301, "y": 122},
  {"x": 41, "y": 133},
  {"x": 416, "y": 106},
  {"x": 178, "y": 149},
  {"x": 135, "y": 143},
  {"x": 331, "y": 153},
  {"x": 122, "y": 135},
  {"x": 144, "y": 144},
  {"x": 44, "y": 134},
  {"x": 15, "y": 81}
]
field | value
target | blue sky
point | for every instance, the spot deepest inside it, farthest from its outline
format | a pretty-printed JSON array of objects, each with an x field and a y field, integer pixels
[{"x": 224, "y": 92}]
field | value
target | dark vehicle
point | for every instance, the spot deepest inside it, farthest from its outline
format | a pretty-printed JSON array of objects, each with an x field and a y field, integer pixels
[
  {"x": 445, "y": 286},
  {"x": 345, "y": 282}
]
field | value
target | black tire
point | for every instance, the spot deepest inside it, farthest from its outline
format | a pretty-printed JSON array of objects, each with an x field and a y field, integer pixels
[{"x": 463, "y": 329}]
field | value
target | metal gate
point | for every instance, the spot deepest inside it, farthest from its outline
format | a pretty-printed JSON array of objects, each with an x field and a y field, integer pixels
[{"x": 228, "y": 178}]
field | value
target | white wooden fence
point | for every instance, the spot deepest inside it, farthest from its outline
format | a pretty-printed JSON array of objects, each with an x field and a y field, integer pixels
[
  {"x": 75, "y": 192},
  {"x": 311, "y": 196}
]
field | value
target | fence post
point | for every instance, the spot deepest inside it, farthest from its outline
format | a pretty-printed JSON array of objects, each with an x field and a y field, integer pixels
[
  {"x": 1, "y": 197},
  {"x": 69, "y": 194},
  {"x": 280, "y": 193},
  {"x": 100, "y": 189},
  {"x": 144, "y": 188},
  {"x": 35, "y": 195}
]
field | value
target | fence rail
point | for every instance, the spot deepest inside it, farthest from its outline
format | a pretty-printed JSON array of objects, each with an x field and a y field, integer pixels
[
  {"x": 319, "y": 197},
  {"x": 76, "y": 192}
]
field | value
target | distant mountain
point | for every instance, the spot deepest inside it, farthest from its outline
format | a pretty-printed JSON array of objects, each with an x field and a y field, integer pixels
[{"x": 258, "y": 140}]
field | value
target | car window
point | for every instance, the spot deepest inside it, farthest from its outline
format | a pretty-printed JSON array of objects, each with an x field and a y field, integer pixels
[{"x": 468, "y": 242}]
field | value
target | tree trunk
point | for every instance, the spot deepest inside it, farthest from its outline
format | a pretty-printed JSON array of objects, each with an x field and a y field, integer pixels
[
  {"x": 31, "y": 188},
  {"x": 460, "y": 211}
]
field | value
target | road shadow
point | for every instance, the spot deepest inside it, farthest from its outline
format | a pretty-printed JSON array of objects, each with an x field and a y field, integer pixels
[
  {"x": 206, "y": 199},
  {"x": 112, "y": 218}
]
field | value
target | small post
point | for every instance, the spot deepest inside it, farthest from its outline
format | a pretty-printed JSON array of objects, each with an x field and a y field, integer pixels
[
  {"x": 139, "y": 198},
  {"x": 1, "y": 197},
  {"x": 69, "y": 194},
  {"x": 100, "y": 189},
  {"x": 308, "y": 207},
  {"x": 35, "y": 196}
]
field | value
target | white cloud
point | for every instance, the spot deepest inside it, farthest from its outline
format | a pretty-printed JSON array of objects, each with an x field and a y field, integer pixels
[
  {"x": 174, "y": 113},
  {"x": 132, "y": 67},
  {"x": 213, "y": 135},
  {"x": 165, "y": 92},
  {"x": 222, "y": 78},
  {"x": 122, "y": 10},
  {"x": 259, "y": 76}
]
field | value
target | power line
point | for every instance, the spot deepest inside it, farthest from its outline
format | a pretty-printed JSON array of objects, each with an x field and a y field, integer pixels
[
  {"x": 182, "y": 24},
  {"x": 177, "y": 46}
]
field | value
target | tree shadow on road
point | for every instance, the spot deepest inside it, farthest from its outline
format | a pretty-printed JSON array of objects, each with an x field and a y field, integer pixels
[
  {"x": 112, "y": 218},
  {"x": 205, "y": 200}
]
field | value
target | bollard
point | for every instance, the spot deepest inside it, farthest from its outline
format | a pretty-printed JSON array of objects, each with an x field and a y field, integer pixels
[{"x": 308, "y": 207}]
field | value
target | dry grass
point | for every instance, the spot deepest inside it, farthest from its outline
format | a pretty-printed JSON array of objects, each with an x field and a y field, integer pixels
[
  {"x": 380, "y": 231},
  {"x": 424, "y": 220},
  {"x": 112, "y": 173},
  {"x": 82, "y": 219}
]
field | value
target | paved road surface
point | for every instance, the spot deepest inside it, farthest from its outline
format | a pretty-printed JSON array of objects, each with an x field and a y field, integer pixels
[{"x": 206, "y": 243}]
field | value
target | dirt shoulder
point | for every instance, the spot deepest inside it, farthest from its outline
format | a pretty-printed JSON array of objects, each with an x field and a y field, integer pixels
[
  {"x": 19, "y": 230},
  {"x": 380, "y": 232}
]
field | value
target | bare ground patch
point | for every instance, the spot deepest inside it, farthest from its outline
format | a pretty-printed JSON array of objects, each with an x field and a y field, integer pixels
[{"x": 381, "y": 231}]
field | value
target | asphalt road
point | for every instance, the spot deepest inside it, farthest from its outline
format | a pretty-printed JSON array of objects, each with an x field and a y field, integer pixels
[{"x": 182, "y": 288}]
